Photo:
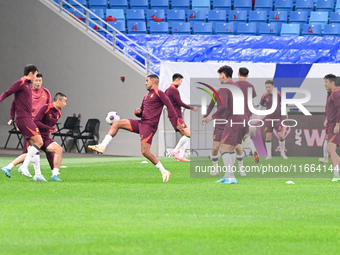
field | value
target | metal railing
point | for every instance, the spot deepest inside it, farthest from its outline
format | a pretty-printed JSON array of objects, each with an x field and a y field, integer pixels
[{"x": 151, "y": 62}]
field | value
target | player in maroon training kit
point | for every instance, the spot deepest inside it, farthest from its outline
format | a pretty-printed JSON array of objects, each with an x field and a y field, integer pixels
[
  {"x": 333, "y": 122},
  {"x": 23, "y": 101},
  {"x": 270, "y": 124},
  {"x": 150, "y": 112},
  {"x": 173, "y": 93}
]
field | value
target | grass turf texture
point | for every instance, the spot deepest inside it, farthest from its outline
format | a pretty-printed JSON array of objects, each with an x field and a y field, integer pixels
[{"x": 110, "y": 205}]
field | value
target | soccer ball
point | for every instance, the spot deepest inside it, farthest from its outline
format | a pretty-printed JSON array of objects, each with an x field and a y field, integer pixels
[{"x": 112, "y": 117}]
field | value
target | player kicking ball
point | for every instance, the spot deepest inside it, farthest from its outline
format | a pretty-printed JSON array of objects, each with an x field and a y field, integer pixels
[{"x": 150, "y": 112}]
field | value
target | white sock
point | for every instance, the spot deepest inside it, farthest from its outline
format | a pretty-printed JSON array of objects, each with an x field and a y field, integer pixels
[
  {"x": 325, "y": 152},
  {"x": 250, "y": 144},
  {"x": 30, "y": 154},
  {"x": 269, "y": 148},
  {"x": 214, "y": 160},
  {"x": 240, "y": 161},
  {"x": 282, "y": 146},
  {"x": 55, "y": 171},
  {"x": 229, "y": 161},
  {"x": 161, "y": 167},
  {"x": 106, "y": 141},
  {"x": 10, "y": 166},
  {"x": 184, "y": 147},
  {"x": 181, "y": 142},
  {"x": 336, "y": 172},
  {"x": 36, "y": 164}
]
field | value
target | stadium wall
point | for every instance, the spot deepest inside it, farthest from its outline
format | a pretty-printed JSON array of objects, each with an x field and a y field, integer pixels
[{"x": 72, "y": 62}]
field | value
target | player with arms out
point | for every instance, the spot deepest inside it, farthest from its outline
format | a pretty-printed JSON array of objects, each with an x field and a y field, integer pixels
[
  {"x": 150, "y": 112},
  {"x": 23, "y": 109},
  {"x": 267, "y": 101},
  {"x": 173, "y": 93},
  {"x": 333, "y": 122}
]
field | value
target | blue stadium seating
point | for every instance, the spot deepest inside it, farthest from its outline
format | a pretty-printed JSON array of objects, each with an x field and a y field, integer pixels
[
  {"x": 269, "y": 28},
  {"x": 202, "y": 28},
  {"x": 247, "y": 28},
  {"x": 278, "y": 16},
  {"x": 82, "y": 2},
  {"x": 116, "y": 13},
  {"x": 290, "y": 29},
  {"x": 331, "y": 30},
  {"x": 300, "y": 17},
  {"x": 180, "y": 4},
  {"x": 318, "y": 18},
  {"x": 154, "y": 15},
  {"x": 264, "y": 5},
  {"x": 58, "y": 2},
  {"x": 238, "y": 16},
  {"x": 196, "y": 15},
  {"x": 217, "y": 15},
  {"x": 119, "y": 25},
  {"x": 258, "y": 16},
  {"x": 97, "y": 25},
  {"x": 119, "y": 4},
  {"x": 311, "y": 30},
  {"x": 98, "y": 4},
  {"x": 335, "y": 17},
  {"x": 159, "y": 28},
  {"x": 159, "y": 4},
  {"x": 181, "y": 27},
  {"x": 324, "y": 5},
  {"x": 304, "y": 5},
  {"x": 200, "y": 4},
  {"x": 139, "y": 4},
  {"x": 224, "y": 28},
  {"x": 98, "y": 12},
  {"x": 138, "y": 27},
  {"x": 284, "y": 5},
  {"x": 135, "y": 15},
  {"x": 243, "y": 5},
  {"x": 337, "y": 6},
  {"x": 221, "y": 5},
  {"x": 175, "y": 15}
]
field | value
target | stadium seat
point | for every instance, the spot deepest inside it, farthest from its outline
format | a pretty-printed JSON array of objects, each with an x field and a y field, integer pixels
[
  {"x": 224, "y": 28},
  {"x": 324, "y": 5},
  {"x": 81, "y": 2},
  {"x": 278, "y": 16},
  {"x": 243, "y": 5},
  {"x": 263, "y": 5},
  {"x": 98, "y": 12},
  {"x": 175, "y": 15},
  {"x": 159, "y": 28},
  {"x": 115, "y": 15},
  {"x": 247, "y": 28},
  {"x": 119, "y": 4},
  {"x": 337, "y": 6},
  {"x": 181, "y": 27},
  {"x": 311, "y": 30},
  {"x": 284, "y": 5},
  {"x": 119, "y": 25},
  {"x": 269, "y": 28},
  {"x": 318, "y": 18},
  {"x": 304, "y": 5},
  {"x": 97, "y": 25},
  {"x": 238, "y": 16},
  {"x": 217, "y": 15},
  {"x": 196, "y": 15},
  {"x": 335, "y": 17},
  {"x": 202, "y": 28},
  {"x": 154, "y": 15},
  {"x": 200, "y": 4},
  {"x": 258, "y": 16},
  {"x": 159, "y": 4},
  {"x": 136, "y": 27},
  {"x": 221, "y": 5},
  {"x": 331, "y": 30},
  {"x": 300, "y": 17},
  {"x": 98, "y": 4},
  {"x": 135, "y": 15},
  {"x": 290, "y": 29},
  {"x": 77, "y": 12},
  {"x": 139, "y": 4},
  {"x": 180, "y": 4},
  {"x": 90, "y": 132}
]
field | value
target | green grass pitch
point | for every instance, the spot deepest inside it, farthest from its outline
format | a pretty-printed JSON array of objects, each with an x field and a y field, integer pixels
[{"x": 107, "y": 205}]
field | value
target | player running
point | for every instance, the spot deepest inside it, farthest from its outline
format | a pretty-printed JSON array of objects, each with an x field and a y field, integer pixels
[
  {"x": 23, "y": 109},
  {"x": 150, "y": 112},
  {"x": 333, "y": 122},
  {"x": 267, "y": 101},
  {"x": 173, "y": 93}
]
